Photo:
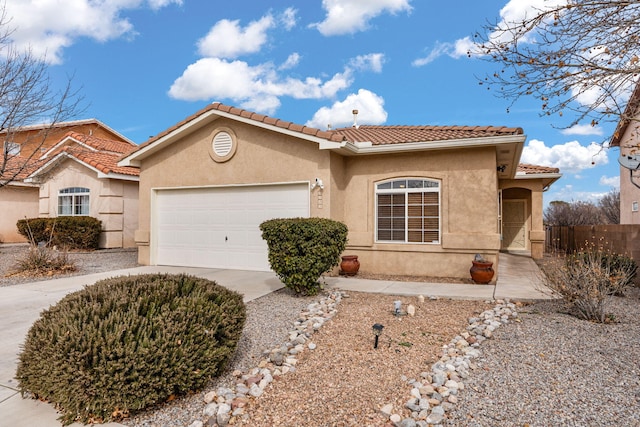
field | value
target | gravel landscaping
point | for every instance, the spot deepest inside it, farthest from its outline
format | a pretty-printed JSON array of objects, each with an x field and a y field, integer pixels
[{"x": 541, "y": 368}]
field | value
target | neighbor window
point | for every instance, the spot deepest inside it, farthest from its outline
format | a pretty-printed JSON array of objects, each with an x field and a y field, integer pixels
[
  {"x": 73, "y": 201},
  {"x": 11, "y": 148},
  {"x": 408, "y": 211},
  {"x": 634, "y": 207}
]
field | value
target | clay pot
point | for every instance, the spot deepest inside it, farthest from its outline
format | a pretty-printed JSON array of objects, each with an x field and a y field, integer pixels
[
  {"x": 349, "y": 265},
  {"x": 481, "y": 272}
]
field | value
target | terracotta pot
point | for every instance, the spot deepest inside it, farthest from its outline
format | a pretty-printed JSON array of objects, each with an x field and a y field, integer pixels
[
  {"x": 349, "y": 265},
  {"x": 481, "y": 272}
]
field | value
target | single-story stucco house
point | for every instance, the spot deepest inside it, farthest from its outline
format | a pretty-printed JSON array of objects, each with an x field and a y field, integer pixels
[
  {"x": 417, "y": 200},
  {"x": 70, "y": 170}
]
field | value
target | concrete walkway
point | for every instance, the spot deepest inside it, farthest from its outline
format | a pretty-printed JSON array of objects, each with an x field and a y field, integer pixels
[{"x": 21, "y": 305}]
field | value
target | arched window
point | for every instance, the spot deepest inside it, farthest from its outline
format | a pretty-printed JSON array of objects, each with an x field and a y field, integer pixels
[
  {"x": 73, "y": 201},
  {"x": 408, "y": 211}
]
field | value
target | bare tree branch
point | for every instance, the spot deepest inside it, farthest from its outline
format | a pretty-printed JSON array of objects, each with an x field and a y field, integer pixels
[
  {"x": 27, "y": 97},
  {"x": 578, "y": 58}
]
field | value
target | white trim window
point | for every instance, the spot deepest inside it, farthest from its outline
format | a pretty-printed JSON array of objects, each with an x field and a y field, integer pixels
[
  {"x": 73, "y": 201},
  {"x": 408, "y": 211}
]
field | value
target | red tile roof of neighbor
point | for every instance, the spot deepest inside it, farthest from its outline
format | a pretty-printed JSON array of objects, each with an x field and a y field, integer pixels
[
  {"x": 103, "y": 161},
  {"x": 102, "y": 144},
  {"x": 21, "y": 167},
  {"x": 535, "y": 169},
  {"x": 103, "y": 155}
]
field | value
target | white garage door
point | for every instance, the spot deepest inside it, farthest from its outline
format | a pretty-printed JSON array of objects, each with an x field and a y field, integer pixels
[{"x": 219, "y": 227}]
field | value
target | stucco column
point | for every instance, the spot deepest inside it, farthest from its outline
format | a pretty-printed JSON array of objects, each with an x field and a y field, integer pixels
[{"x": 537, "y": 234}]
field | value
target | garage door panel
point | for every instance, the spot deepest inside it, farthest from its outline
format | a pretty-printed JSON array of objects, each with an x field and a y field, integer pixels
[{"x": 219, "y": 227}]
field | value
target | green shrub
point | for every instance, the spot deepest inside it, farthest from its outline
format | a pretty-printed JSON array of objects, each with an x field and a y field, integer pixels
[
  {"x": 301, "y": 249},
  {"x": 69, "y": 232},
  {"x": 129, "y": 342},
  {"x": 586, "y": 280}
]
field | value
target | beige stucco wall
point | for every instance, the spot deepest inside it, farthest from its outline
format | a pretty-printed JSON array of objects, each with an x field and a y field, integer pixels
[
  {"x": 469, "y": 209},
  {"x": 469, "y": 205},
  {"x": 114, "y": 202},
  {"x": 629, "y": 193},
  {"x": 18, "y": 202},
  {"x": 261, "y": 157}
]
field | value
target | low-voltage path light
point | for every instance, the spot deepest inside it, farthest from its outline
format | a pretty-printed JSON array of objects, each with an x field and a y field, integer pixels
[{"x": 377, "y": 331}]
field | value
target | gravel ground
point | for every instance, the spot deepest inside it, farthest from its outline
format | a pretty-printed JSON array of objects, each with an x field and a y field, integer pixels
[
  {"x": 86, "y": 263},
  {"x": 549, "y": 369},
  {"x": 553, "y": 369}
]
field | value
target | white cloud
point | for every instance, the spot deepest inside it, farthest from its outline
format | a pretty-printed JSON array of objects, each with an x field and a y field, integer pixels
[
  {"x": 513, "y": 11},
  {"x": 370, "y": 111},
  {"x": 226, "y": 39},
  {"x": 569, "y": 157},
  {"x": 253, "y": 87},
  {"x": 289, "y": 18},
  {"x": 351, "y": 16},
  {"x": 610, "y": 181},
  {"x": 292, "y": 61},
  {"x": 568, "y": 194},
  {"x": 48, "y": 26},
  {"x": 439, "y": 50},
  {"x": 371, "y": 62},
  {"x": 584, "y": 130}
]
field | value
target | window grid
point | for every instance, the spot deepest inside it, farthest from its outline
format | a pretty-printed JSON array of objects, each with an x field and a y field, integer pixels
[
  {"x": 73, "y": 201},
  {"x": 408, "y": 211}
]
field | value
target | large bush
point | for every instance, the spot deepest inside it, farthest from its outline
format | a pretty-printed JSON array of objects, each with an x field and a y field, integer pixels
[
  {"x": 68, "y": 232},
  {"x": 301, "y": 249},
  {"x": 129, "y": 342},
  {"x": 586, "y": 280}
]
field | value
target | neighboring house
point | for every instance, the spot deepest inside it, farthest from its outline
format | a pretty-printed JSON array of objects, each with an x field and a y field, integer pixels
[
  {"x": 71, "y": 170},
  {"x": 417, "y": 200},
  {"x": 627, "y": 137}
]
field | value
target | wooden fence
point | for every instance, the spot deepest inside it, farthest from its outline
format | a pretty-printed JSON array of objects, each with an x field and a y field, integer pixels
[{"x": 623, "y": 239}]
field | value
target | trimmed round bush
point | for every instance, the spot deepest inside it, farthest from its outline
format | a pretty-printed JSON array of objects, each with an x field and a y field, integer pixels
[
  {"x": 301, "y": 249},
  {"x": 130, "y": 342}
]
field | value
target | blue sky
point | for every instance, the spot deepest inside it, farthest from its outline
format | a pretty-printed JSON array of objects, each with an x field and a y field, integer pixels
[{"x": 144, "y": 65}]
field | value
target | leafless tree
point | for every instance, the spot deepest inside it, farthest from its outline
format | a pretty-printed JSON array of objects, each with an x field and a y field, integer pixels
[
  {"x": 574, "y": 213},
  {"x": 609, "y": 205},
  {"x": 27, "y": 97},
  {"x": 579, "y": 58}
]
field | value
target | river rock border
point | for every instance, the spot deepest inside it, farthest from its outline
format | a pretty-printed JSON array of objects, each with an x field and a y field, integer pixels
[
  {"x": 224, "y": 404},
  {"x": 436, "y": 392},
  {"x": 431, "y": 396}
]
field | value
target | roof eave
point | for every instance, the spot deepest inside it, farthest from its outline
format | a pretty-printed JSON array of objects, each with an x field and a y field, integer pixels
[
  {"x": 363, "y": 148},
  {"x": 120, "y": 176},
  {"x": 137, "y": 156},
  {"x": 547, "y": 178}
]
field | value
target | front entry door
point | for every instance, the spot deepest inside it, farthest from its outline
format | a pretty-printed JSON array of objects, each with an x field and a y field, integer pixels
[{"x": 514, "y": 224}]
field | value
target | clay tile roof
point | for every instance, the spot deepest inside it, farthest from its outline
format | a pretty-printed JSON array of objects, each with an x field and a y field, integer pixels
[
  {"x": 535, "y": 169},
  {"x": 328, "y": 135},
  {"x": 21, "y": 167},
  {"x": 381, "y": 135},
  {"x": 103, "y": 144},
  {"x": 105, "y": 162}
]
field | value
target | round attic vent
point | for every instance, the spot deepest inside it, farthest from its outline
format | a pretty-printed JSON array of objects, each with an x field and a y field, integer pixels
[{"x": 223, "y": 145}]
